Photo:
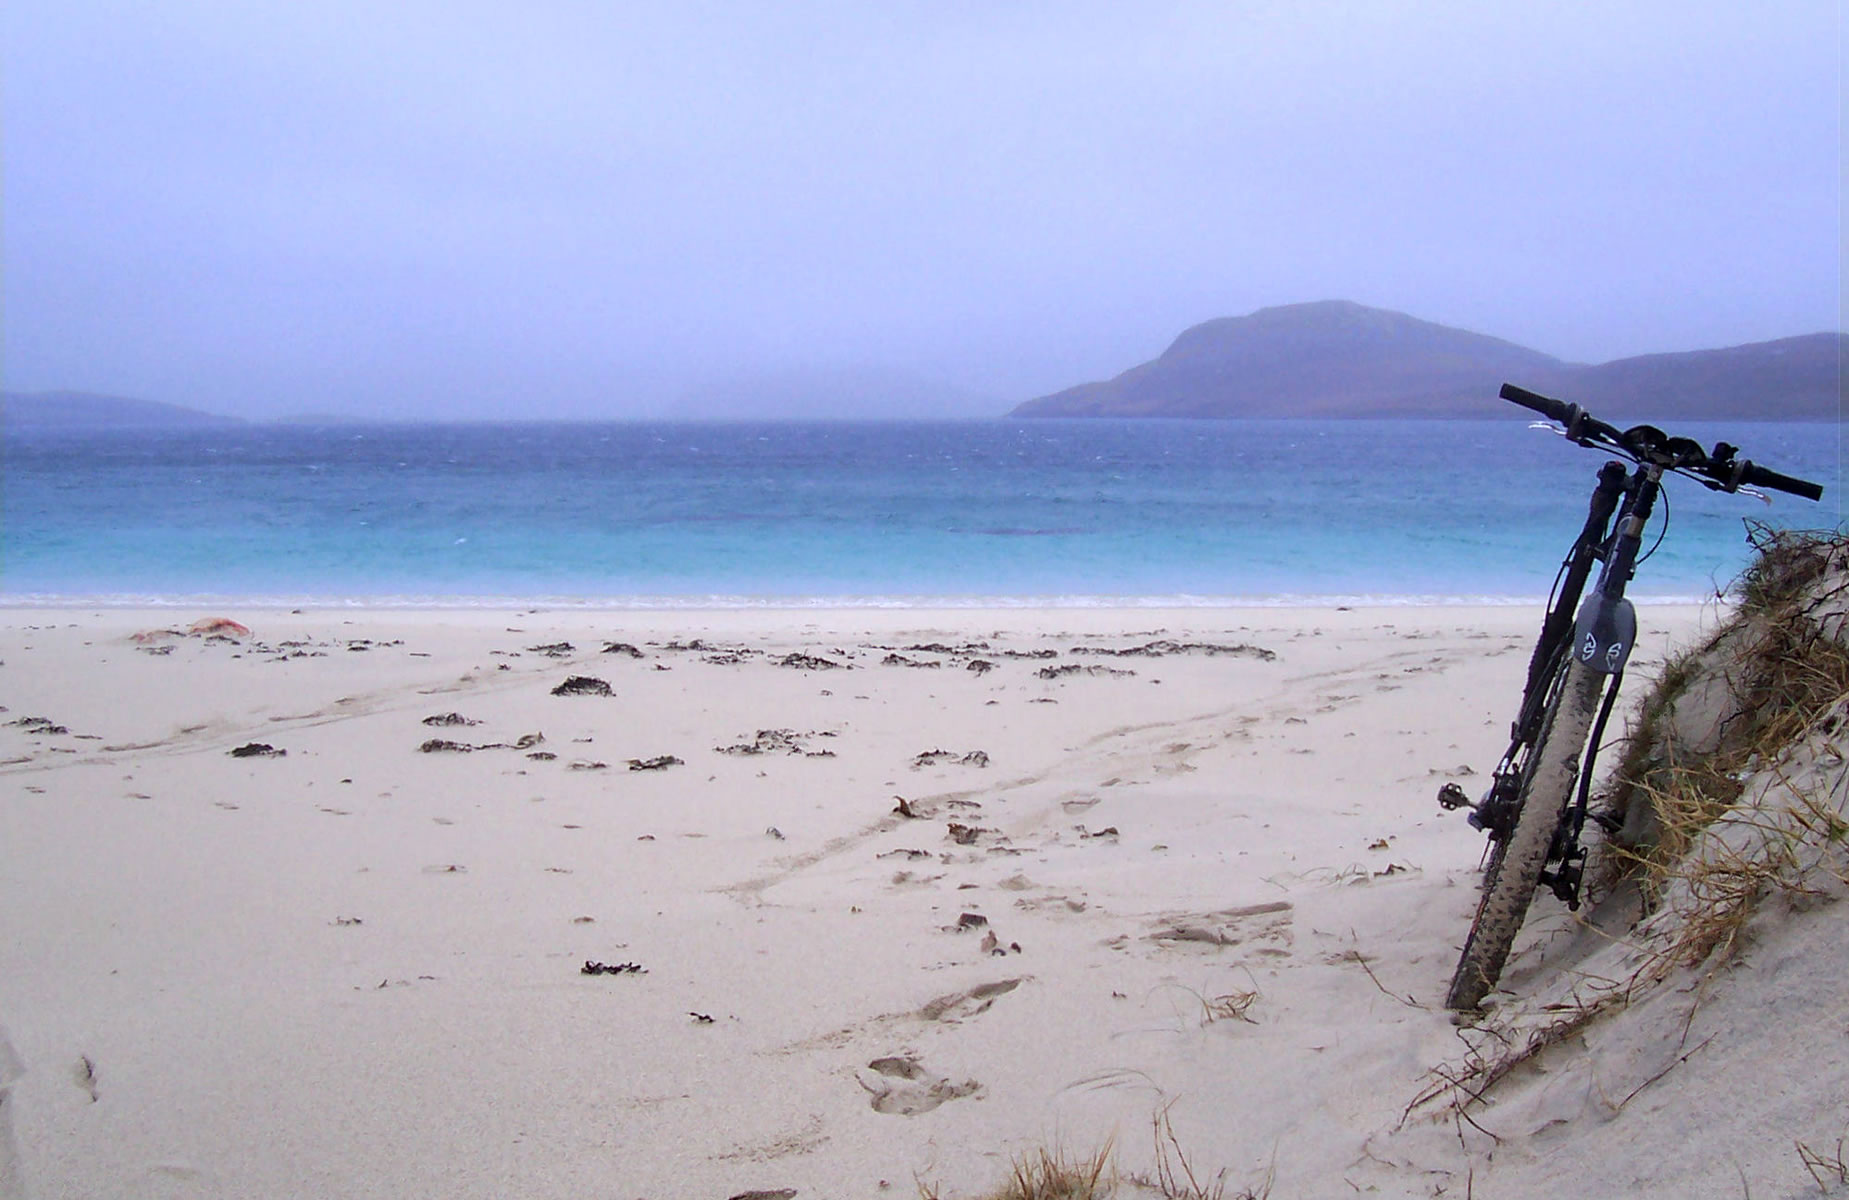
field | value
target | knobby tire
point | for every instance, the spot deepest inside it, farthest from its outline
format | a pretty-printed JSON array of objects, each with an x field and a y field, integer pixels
[{"x": 1515, "y": 867}]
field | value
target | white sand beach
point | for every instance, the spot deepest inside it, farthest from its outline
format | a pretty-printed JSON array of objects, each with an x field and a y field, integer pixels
[{"x": 876, "y": 919}]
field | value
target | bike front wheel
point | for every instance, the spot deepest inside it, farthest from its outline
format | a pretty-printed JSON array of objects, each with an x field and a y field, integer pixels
[{"x": 1515, "y": 866}]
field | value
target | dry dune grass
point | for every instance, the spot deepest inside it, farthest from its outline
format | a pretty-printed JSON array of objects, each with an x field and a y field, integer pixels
[
  {"x": 1047, "y": 1174},
  {"x": 1789, "y": 841},
  {"x": 1050, "y": 1175},
  {"x": 1747, "y": 801},
  {"x": 1758, "y": 685}
]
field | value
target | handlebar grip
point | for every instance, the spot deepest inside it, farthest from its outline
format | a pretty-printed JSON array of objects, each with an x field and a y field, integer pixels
[
  {"x": 1761, "y": 477},
  {"x": 1581, "y": 425},
  {"x": 1553, "y": 410}
]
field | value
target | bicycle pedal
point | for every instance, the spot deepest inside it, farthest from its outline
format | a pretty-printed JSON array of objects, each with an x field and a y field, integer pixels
[{"x": 1451, "y": 798}]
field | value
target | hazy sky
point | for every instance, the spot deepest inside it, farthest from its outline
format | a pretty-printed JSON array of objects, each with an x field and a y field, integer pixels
[{"x": 552, "y": 208}]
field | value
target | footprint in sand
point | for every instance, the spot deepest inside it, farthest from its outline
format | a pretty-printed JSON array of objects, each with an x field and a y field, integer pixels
[
  {"x": 958, "y": 1006},
  {"x": 900, "y": 1085},
  {"x": 1254, "y": 923}
]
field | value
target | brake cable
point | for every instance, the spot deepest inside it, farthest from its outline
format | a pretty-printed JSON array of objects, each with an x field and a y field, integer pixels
[{"x": 1663, "y": 496}]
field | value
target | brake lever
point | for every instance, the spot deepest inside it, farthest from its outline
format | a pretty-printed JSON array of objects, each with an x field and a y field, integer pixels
[{"x": 1715, "y": 485}]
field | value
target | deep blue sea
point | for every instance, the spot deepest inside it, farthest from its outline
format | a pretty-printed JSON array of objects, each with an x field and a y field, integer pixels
[{"x": 962, "y": 513}]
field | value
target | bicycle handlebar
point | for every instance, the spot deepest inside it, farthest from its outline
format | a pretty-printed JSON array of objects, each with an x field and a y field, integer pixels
[{"x": 1720, "y": 470}]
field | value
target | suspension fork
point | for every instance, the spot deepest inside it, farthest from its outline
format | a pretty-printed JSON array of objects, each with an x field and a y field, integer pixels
[
  {"x": 1603, "y": 635},
  {"x": 1613, "y": 483},
  {"x": 1606, "y": 626}
]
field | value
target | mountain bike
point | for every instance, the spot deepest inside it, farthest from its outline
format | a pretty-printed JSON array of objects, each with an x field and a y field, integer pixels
[{"x": 1535, "y": 808}]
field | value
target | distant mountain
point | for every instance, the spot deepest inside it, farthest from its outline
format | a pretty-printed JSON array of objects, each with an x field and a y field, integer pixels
[
  {"x": 85, "y": 410},
  {"x": 1335, "y": 358},
  {"x": 1792, "y": 379}
]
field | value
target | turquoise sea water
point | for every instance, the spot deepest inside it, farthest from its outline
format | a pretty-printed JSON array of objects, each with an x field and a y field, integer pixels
[{"x": 635, "y": 514}]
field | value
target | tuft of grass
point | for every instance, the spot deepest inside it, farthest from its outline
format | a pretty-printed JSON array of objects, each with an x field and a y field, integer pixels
[
  {"x": 1786, "y": 564},
  {"x": 1685, "y": 801},
  {"x": 1047, "y": 1175},
  {"x": 1053, "y": 1175},
  {"x": 1796, "y": 846}
]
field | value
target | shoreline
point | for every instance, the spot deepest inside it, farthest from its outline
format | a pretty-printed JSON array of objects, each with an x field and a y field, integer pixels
[
  {"x": 50, "y": 602},
  {"x": 893, "y": 916}
]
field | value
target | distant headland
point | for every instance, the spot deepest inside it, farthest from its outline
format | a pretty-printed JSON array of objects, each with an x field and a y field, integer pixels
[
  {"x": 87, "y": 410},
  {"x": 1335, "y": 358}
]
